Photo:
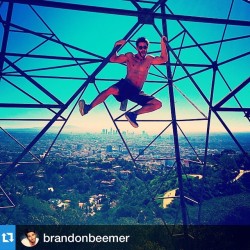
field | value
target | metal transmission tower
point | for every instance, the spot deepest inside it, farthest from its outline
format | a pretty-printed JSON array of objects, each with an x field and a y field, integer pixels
[{"x": 200, "y": 85}]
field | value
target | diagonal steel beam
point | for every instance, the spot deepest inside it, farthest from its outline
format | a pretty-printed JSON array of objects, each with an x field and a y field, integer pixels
[
  {"x": 234, "y": 58},
  {"x": 232, "y": 93},
  {"x": 27, "y": 94},
  {"x": 48, "y": 38},
  {"x": 134, "y": 2},
  {"x": 19, "y": 143},
  {"x": 78, "y": 92},
  {"x": 45, "y": 91},
  {"x": 207, "y": 101}
]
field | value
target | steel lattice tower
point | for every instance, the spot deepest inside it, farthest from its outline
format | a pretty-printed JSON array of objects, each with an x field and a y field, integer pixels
[{"x": 190, "y": 59}]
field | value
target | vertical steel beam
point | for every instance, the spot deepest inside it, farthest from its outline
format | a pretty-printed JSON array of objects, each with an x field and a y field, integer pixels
[
  {"x": 175, "y": 134},
  {"x": 5, "y": 36},
  {"x": 206, "y": 145}
]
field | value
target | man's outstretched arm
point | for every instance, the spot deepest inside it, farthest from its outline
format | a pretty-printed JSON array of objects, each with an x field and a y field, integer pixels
[
  {"x": 164, "y": 54},
  {"x": 118, "y": 58}
]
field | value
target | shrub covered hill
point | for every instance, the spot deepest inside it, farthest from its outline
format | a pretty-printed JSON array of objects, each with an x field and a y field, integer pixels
[{"x": 62, "y": 191}]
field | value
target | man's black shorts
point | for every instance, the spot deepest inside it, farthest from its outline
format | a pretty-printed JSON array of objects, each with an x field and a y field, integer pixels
[{"x": 128, "y": 91}]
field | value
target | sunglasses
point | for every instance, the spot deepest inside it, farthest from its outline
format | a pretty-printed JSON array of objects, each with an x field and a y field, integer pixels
[{"x": 142, "y": 47}]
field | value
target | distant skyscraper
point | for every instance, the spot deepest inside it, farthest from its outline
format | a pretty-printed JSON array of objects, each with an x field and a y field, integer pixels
[
  {"x": 185, "y": 163},
  {"x": 141, "y": 152},
  {"x": 169, "y": 163},
  {"x": 109, "y": 148}
]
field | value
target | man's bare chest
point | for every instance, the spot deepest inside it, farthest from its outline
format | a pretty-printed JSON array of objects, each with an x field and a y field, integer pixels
[{"x": 138, "y": 65}]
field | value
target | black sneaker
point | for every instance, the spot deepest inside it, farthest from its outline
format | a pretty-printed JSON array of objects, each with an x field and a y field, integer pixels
[
  {"x": 131, "y": 117},
  {"x": 83, "y": 107}
]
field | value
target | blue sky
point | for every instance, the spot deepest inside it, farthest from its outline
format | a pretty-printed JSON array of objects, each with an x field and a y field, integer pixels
[{"x": 97, "y": 33}]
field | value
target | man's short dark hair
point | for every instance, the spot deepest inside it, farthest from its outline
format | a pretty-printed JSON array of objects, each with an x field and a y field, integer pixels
[
  {"x": 142, "y": 40},
  {"x": 28, "y": 230}
]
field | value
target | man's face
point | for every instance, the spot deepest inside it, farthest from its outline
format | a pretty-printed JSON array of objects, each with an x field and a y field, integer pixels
[
  {"x": 142, "y": 49},
  {"x": 31, "y": 237}
]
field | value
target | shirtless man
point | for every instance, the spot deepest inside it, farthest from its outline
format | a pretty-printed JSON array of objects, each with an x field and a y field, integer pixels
[
  {"x": 130, "y": 88},
  {"x": 31, "y": 238}
]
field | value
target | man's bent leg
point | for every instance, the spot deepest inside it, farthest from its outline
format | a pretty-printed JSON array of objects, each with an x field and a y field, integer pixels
[
  {"x": 85, "y": 108},
  {"x": 150, "y": 106},
  {"x": 104, "y": 95}
]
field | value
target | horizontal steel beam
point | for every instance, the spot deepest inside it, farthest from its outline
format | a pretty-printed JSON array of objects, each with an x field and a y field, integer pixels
[
  {"x": 20, "y": 162},
  {"x": 67, "y": 58},
  {"x": 105, "y": 10},
  {"x": 29, "y": 119},
  {"x": 233, "y": 109},
  {"x": 17, "y": 105}
]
